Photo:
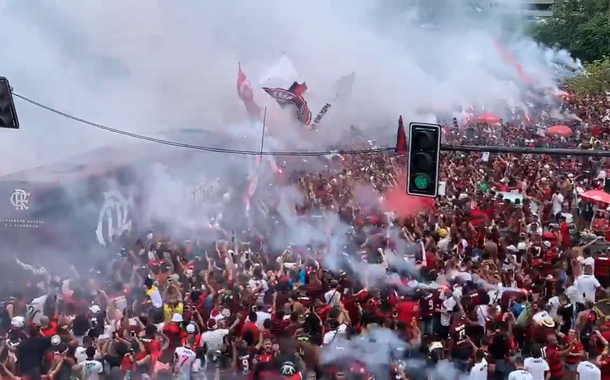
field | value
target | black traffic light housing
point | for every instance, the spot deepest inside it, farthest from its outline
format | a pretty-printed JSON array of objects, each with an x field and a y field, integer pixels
[
  {"x": 424, "y": 159},
  {"x": 8, "y": 114}
]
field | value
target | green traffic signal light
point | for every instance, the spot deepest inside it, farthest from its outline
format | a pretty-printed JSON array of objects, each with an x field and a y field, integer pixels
[
  {"x": 421, "y": 181},
  {"x": 424, "y": 157}
]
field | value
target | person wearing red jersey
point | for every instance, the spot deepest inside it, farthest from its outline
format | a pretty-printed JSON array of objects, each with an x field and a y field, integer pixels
[
  {"x": 601, "y": 269},
  {"x": 264, "y": 361},
  {"x": 604, "y": 366},
  {"x": 251, "y": 325},
  {"x": 407, "y": 311},
  {"x": 458, "y": 344},
  {"x": 244, "y": 357},
  {"x": 173, "y": 331},
  {"x": 426, "y": 312},
  {"x": 576, "y": 353},
  {"x": 554, "y": 357},
  {"x": 564, "y": 228},
  {"x": 192, "y": 332}
]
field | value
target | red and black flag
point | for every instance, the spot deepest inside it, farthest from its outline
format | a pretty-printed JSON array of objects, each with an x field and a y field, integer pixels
[
  {"x": 245, "y": 93},
  {"x": 401, "y": 138}
]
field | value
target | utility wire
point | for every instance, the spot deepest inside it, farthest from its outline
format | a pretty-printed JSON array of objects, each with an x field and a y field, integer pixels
[
  {"x": 444, "y": 147},
  {"x": 196, "y": 147}
]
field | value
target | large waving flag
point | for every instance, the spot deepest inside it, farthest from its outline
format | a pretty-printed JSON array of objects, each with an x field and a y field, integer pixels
[
  {"x": 284, "y": 84},
  {"x": 245, "y": 93}
]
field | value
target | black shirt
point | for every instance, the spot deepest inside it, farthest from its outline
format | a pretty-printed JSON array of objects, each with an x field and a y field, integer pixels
[
  {"x": 113, "y": 360},
  {"x": 498, "y": 348},
  {"x": 30, "y": 353}
]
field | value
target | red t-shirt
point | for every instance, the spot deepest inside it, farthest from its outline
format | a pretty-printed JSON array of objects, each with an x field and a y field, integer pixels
[
  {"x": 250, "y": 326},
  {"x": 565, "y": 234},
  {"x": 51, "y": 329},
  {"x": 407, "y": 311}
]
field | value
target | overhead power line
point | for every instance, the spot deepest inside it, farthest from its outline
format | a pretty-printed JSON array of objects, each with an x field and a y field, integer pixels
[
  {"x": 191, "y": 146},
  {"x": 445, "y": 147}
]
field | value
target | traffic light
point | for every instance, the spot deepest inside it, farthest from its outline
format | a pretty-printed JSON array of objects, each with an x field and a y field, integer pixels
[
  {"x": 8, "y": 114},
  {"x": 424, "y": 159}
]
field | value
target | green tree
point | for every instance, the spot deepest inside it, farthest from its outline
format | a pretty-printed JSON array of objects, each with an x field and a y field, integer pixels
[
  {"x": 595, "y": 81},
  {"x": 579, "y": 26}
]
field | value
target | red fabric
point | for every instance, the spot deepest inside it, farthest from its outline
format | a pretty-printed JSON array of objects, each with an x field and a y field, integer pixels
[{"x": 407, "y": 312}]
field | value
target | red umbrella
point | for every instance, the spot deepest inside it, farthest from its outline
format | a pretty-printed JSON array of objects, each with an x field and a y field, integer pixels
[
  {"x": 595, "y": 196},
  {"x": 488, "y": 118},
  {"x": 559, "y": 130}
]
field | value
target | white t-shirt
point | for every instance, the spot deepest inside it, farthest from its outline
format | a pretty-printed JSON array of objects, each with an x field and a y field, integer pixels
[
  {"x": 447, "y": 310},
  {"x": 537, "y": 367},
  {"x": 589, "y": 371},
  {"x": 330, "y": 294},
  {"x": 557, "y": 203},
  {"x": 479, "y": 371},
  {"x": 330, "y": 336},
  {"x": 120, "y": 302},
  {"x": 185, "y": 357},
  {"x": 520, "y": 374},
  {"x": 155, "y": 297},
  {"x": 261, "y": 317},
  {"x": 81, "y": 356},
  {"x": 554, "y": 305},
  {"x": 37, "y": 306},
  {"x": 589, "y": 262},
  {"x": 91, "y": 369},
  {"x": 213, "y": 338},
  {"x": 482, "y": 315},
  {"x": 586, "y": 284},
  {"x": 253, "y": 284}
]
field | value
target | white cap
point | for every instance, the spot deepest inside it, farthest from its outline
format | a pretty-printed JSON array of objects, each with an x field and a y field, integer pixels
[
  {"x": 95, "y": 309},
  {"x": 18, "y": 322},
  {"x": 55, "y": 340},
  {"x": 177, "y": 318},
  {"x": 190, "y": 329}
]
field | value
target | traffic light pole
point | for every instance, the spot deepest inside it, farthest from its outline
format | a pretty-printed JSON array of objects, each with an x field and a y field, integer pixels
[{"x": 526, "y": 150}]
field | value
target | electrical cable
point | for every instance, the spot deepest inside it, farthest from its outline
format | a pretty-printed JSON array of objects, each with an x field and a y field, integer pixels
[
  {"x": 444, "y": 147},
  {"x": 198, "y": 147}
]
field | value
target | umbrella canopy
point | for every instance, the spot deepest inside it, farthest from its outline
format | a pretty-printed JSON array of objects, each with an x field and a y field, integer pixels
[
  {"x": 595, "y": 196},
  {"x": 488, "y": 118},
  {"x": 559, "y": 130}
]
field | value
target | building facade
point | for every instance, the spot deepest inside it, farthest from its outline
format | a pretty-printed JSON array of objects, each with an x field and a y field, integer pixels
[{"x": 538, "y": 8}]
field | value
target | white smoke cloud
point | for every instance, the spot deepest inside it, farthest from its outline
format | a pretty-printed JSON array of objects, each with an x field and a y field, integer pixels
[
  {"x": 147, "y": 66},
  {"x": 152, "y": 66}
]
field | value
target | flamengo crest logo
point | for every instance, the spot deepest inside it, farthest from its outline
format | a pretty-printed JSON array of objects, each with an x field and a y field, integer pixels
[
  {"x": 114, "y": 219},
  {"x": 292, "y": 96},
  {"x": 20, "y": 199}
]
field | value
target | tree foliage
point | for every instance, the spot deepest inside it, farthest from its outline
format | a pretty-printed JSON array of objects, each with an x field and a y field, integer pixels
[
  {"x": 580, "y": 26},
  {"x": 596, "y": 79}
]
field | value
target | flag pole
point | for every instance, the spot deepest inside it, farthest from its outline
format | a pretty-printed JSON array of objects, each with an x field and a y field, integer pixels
[{"x": 263, "y": 134}]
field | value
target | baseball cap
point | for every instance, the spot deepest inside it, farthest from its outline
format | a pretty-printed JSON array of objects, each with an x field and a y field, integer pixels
[
  {"x": 177, "y": 318},
  {"x": 94, "y": 309},
  {"x": 55, "y": 340},
  {"x": 190, "y": 329}
]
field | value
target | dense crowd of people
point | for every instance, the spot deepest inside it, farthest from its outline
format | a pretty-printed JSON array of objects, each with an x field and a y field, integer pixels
[{"x": 494, "y": 279}]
